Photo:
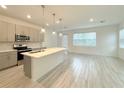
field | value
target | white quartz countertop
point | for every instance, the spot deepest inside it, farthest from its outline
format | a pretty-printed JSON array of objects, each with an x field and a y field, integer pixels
[
  {"x": 46, "y": 52},
  {"x": 11, "y": 50}
]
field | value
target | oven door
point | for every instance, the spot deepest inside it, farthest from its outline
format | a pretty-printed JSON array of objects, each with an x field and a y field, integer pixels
[{"x": 20, "y": 56}]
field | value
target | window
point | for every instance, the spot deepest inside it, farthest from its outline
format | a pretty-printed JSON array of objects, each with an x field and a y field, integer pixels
[
  {"x": 122, "y": 38},
  {"x": 84, "y": 39}
]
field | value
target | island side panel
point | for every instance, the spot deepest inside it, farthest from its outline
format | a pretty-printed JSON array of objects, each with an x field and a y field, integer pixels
[
  {"x": 27, "y": 66},
  {"x": 41, "y": 66}
]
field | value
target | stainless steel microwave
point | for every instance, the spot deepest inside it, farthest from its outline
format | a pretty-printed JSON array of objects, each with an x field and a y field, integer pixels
[{"x": 19, "y": 37}]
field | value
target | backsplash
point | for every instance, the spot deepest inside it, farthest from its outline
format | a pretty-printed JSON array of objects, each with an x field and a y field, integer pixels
[
  {"x": 6, "y": 46},
  {"x": 9, "y": 46}
]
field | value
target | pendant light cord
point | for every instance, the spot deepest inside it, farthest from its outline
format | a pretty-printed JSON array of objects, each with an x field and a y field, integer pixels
[
  {"x": 43, "y": 7},
  {"x": 54, "y": 21}
]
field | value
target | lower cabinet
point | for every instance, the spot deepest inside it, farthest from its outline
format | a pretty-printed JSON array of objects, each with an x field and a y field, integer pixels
[{"x": 8, "y": 59}]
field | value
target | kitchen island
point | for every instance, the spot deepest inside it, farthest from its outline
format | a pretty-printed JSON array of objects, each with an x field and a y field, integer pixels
[{"x": 39, "y": 63}]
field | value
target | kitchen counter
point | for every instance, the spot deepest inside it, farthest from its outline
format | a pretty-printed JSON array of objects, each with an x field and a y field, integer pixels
[
  {"x": 43, "y": 53},
  {"x": 38, "y": 64},
  {"x": 11, "y": 50}
]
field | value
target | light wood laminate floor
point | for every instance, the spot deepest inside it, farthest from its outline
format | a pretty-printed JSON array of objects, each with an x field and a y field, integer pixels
[{"x": 77, "y": 71}]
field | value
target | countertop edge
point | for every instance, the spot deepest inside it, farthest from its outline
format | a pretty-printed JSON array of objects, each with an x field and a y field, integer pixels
[{"x": 29, "y": 55}]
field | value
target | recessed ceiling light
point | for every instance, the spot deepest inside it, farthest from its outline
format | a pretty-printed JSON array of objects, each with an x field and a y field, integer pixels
[
  {"x": 4, "y": 7},
  {"x": 91, "y": 20},
  {"x": 47, "y": 24},
  {"x": 29, "y": 16},
  {"x": 53, "y": 33}
]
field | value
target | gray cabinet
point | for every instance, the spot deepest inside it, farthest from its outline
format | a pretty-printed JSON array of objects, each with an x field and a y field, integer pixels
[
  {"x": 7, "y": 32},
  {"x": 3, "y": 31},
  {"x": 42, "y": 37},
  {"x": 34, "y": 34},
  {"x": 8, "y": 59},
  {"x": 3, "y": 61},
  {"x": 11, "y": 32},
  {"x": 38, "y": 35},
  {"x": 12, "y": 57},
  {"x": 21, "y": 30}
]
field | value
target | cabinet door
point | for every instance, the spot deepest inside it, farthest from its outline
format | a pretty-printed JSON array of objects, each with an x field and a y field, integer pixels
[
  {"x": 42, "y": 37},
  {"x": 26, "y": 30},
  {"x": 11, "y": 32},
  {"x": 31, "y": 34},
  {"x": 3, "y": 61},
  {"x": 8, "y": 59},
  {"x": 3, "y": 31},
  {"x": 12, "y": 60},
  {"x": 19, "y": 29},
  {"x": 38, "y": 35}
]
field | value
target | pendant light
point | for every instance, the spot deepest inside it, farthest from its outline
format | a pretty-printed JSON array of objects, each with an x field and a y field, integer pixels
[
  {"x": 43, "y": 28},
  {"x": 60, "y": 19},
  {"x": 54, "y": 24}
]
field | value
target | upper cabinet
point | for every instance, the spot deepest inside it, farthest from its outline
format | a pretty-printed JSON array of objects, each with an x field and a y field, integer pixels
[
  {"x": 7, "y": 32},
  {"x": 34, "y": 33},
  {"x": 42, "y": 35},
  {"x": 11, "y": 32},
  {"x": 3, "y": 31},
  {"x": 23, "y": 30}
]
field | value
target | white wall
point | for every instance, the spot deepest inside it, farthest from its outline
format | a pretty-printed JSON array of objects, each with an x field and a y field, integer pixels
[
  {"x": 50, "y": 39},
  {"x": 106, "y": 43},
  {"x": 120, "y": 50}
]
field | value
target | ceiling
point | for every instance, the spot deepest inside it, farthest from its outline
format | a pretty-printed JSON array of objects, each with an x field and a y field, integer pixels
[{"x": 73, "y": 16}]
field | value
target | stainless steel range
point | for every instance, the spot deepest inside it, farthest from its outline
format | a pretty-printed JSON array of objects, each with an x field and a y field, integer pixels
[{"x": 20, "y": 49}]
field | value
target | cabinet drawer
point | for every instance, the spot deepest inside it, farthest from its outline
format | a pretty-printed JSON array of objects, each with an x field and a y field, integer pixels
[
  {"x": 8, "y": 59},
  {"x": 3, "y": 61},
  {"x": 12, "y": 60}
]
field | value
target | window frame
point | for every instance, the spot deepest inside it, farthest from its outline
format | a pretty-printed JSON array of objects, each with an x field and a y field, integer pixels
[
  {"x": 83, "y": 45},
  {"x": 120, "y": 39}
]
